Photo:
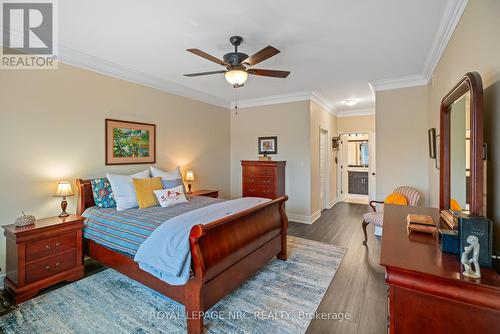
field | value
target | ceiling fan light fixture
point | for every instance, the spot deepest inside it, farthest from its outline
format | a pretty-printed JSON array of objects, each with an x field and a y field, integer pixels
[{"x": 236, "y": 77}]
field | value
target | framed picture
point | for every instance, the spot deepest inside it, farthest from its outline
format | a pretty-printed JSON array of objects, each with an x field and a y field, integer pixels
[
  {"x": 268, "y": 145},
  {"x": 130, "y": 143},
  {"x": 432, "y": 143}
]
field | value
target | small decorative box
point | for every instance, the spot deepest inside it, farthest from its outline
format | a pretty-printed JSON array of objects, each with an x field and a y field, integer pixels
[{"x": 25, "y": 220}]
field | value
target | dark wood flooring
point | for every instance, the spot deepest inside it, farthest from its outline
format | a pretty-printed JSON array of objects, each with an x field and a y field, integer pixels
[{"x": 358, "y": 286}]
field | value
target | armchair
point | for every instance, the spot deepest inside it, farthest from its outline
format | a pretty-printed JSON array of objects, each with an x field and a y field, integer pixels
[{"x": 377, "y": 217}]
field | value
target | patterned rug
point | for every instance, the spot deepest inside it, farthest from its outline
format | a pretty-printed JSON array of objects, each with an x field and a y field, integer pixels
[{"x": 279, "y": 299}]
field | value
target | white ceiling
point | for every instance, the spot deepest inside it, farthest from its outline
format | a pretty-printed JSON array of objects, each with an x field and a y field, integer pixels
[{"x": 332, "y": 47}]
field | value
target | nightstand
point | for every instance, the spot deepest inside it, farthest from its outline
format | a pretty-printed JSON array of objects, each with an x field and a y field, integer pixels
[
  {"x": 42, "y": 254},
  {"x": 205, "y": 192}
]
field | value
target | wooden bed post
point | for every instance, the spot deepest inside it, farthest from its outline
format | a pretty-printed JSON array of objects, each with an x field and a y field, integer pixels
[
  {"x": 193, "y": 296},
  {"x": 283, "y": 255}
]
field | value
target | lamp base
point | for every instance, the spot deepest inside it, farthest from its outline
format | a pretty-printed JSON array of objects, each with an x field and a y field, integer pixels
[
  {"x": 64, "y": 205},
  {"x": 189, "y": 188}
]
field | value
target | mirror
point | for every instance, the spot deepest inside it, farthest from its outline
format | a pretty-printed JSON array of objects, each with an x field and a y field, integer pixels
[
  {"x": 460, "y": 154},
  {"x": 358, "y": 153},
  {"x": 462, "y": 167}
]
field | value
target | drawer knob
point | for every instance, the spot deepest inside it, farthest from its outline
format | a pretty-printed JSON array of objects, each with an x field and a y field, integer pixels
[
  {"x": 49, "y": 268},
  {"x": 57, "y": 244},
  {"x": 48, "y": 247}
]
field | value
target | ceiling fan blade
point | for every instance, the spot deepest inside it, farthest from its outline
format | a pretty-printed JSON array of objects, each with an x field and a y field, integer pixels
[
  {"x": 262, "y": 55},
  {"x": 207, "y": 56},
  {"x": 203, "y": 73},
  {"x": 268, "y": 73}
]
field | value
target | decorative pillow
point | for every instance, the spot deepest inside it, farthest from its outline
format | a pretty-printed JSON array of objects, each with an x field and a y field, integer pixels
[
  {"x": 454, "y": 206},
  {"x": 123, "y": 189},
  {"x": 102, "y": 193},
  {"x": 396, "y": 198},
  {"x": 144, "y": 191},
  {"x": 169, "y": 179},
  {"x": 172, "y": 196}
]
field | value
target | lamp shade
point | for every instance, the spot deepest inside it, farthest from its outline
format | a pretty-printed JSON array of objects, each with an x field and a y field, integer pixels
[
  {"x": 236, "y": 77},
  {"x": 64, "y": 189},
  {"x": 189, "y": 175}
]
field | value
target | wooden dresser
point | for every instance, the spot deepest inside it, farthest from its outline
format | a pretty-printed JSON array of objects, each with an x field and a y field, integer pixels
[
  {"x": 427, "y": 291},
  {"x": 42, "y": 254},
  {"x": 263, "y": 178}
]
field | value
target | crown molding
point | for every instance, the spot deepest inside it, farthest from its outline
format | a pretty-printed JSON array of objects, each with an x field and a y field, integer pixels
[
  {"x": 286, "y": 98},
  {"x": 80, "y": 59},
  {"x": 451, "y": 16},
  {"x": 356, "y": 112},
  {"x": 396, "y": 83}
]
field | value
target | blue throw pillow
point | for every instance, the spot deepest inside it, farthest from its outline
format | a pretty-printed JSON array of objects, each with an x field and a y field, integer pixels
[
  {"x": 167, "y": 184},
  {"x": 102, "y": 192}
]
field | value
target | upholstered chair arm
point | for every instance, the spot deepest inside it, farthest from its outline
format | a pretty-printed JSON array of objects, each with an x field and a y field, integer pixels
[{"x": 373, "y": 205}]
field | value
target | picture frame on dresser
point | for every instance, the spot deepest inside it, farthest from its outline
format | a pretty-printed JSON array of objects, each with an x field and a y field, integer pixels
[
  {"x": 128, "y": 143},
  {"x": 268, "y": 145}
]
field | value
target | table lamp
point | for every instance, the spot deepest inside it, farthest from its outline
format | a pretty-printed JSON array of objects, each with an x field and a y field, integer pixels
[
  {"x": 189, "y": 178},
  {"x": 63, "y": 190}
]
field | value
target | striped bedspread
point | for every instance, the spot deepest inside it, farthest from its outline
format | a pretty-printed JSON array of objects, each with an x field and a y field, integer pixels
[{"x": 125, "y": 231}]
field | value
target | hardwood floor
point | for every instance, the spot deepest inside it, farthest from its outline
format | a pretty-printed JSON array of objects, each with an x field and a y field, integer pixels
[{"x": 358, "y": 287}]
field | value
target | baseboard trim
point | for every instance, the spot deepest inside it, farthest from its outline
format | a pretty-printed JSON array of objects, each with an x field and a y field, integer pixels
[
  {"x": 303, "y": 218},
  {"x": 332, "y": 203}
]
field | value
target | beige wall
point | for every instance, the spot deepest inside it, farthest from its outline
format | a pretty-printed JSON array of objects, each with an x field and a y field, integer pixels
[
  {"x": 401, "y": 146},
  {"x": 356, "y": 124},
  {"x": 320, "y": 119},
  {"x": 289, "y": 122},
  {"x": 52, "y": 128},
  {"x": 474, "y": 46}
]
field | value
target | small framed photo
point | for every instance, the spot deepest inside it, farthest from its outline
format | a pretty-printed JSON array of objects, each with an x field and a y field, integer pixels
[
  {"x": 268, "y": 145},
  {"x": 432, "y": 143},
  {"x": 130, "y": 143}
]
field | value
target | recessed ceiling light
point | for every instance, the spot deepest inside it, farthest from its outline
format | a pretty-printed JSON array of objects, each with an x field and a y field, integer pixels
[{"x": 350, "y": 102}]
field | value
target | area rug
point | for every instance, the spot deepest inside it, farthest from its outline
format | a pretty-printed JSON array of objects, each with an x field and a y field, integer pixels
[{"x": 281, "y": 298}]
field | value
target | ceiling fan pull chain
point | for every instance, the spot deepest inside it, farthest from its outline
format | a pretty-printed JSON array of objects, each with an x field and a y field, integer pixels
[{"x": 236, "y": 101}]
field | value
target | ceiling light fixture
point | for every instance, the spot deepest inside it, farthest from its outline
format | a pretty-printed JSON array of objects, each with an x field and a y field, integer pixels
[
  {"x": 350, "y": 102},
  {"x": 236, "y": 77}
]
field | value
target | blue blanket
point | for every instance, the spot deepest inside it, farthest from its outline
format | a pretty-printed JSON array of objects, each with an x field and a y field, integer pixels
[{"x": 166, "y": 252}]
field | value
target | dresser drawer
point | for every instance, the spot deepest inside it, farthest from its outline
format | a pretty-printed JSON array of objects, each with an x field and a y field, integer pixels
[
  {"x": 258, "y": 191},
  {"x": 258, "y": 171},
  {"x": 260, "y": 180},
  {"x": 51, "y": 246},
  {"x": 50, "y": 266}
]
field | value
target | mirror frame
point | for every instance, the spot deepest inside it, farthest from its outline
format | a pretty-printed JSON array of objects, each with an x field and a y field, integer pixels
[{"x": 470, "y": 82}]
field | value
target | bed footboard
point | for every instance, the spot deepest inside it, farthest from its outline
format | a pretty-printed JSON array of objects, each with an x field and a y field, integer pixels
[{"x": 225, "y": 253}]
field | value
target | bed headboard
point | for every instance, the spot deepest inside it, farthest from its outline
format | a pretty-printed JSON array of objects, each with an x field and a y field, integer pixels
[{"x": 85, "y": 197}]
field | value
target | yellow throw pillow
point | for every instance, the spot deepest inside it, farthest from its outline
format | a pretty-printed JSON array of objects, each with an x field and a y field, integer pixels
[
  {"x": 454, "y": 206},
  {"x": 396, "y": 198},
  {"x": 144, "y": 191}
]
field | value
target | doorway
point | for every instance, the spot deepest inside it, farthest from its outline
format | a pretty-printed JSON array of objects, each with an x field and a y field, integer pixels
[
  {"x": 356, "y": 168},
  {"x": 323, "y": 170}
]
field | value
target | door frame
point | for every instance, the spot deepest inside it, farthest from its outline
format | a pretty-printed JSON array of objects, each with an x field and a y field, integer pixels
[{"x": 326, "y": 199}]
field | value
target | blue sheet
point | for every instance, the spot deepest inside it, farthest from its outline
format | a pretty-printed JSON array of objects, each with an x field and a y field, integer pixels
[{"x": 126, "y": 230}]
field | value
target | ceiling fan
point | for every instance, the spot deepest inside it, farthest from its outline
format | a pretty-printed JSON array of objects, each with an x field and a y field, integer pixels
[{"x": 238, "y": 64}]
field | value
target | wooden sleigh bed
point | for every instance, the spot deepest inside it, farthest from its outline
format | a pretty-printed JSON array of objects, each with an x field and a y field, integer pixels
[{"x": 225, "y": 253}]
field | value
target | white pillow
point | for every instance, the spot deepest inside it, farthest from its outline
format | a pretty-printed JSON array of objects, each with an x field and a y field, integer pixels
[
  {"x": 123, "y": 189},
  {"x": 168, "y": 176},
  {"x": 172, "y": 196}
]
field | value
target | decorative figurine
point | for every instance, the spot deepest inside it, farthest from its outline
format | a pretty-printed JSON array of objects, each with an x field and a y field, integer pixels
[{"x": 474, "y": 247}]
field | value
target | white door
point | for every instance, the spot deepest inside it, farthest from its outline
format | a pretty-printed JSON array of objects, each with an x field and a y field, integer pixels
[
  {"x": 323, "y": 169},
  {"x": 343, "y": 167},
  {"x": 372, "y": 168}
]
